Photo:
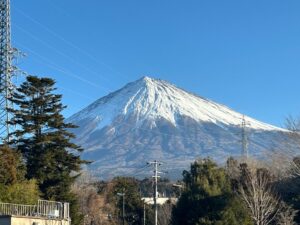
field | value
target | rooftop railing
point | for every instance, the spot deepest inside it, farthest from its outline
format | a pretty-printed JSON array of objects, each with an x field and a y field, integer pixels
[
  {"x": 46, "y": 209},
  {"x": 18, "y": 210}
]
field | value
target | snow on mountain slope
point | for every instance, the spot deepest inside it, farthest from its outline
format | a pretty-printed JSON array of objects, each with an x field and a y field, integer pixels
[
  {"x": 151, "y": 119},
  {"x": 152, "y": 99}
]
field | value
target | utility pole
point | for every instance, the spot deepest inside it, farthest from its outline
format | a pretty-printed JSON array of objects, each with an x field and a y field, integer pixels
[
  {"x": 123, "y": 205},
  {"x": 144, "y": 220},
  {"x": 155, "y": 164},
  {"x": 6, "y": 69}
]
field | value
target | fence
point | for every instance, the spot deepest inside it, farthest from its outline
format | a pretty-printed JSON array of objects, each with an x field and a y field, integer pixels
[
  {"x": 46, "y": 209},
  {"x": 18, "y": 210}
]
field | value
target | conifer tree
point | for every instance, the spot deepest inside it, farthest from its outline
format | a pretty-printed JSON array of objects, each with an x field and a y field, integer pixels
[{"x": 44, "y": 139}]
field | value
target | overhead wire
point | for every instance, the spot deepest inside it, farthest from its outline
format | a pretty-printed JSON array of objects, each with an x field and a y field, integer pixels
[
  {"x": 135, "y": 172},
  {"x": 56, "y": 35},
  {"x": 76, "y": 93},
  {"x": 71, "y": 44},
  {"x": 52, "y": 65},
  {"x": 55, "y": 49},
  {"x": 71, "y": 74},
  {"x": 138, "y": 171}
]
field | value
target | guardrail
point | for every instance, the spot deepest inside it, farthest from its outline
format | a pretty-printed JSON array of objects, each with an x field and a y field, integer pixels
[
  {"x": 46, "y": 209},
  {"x": 18, "y": 210}
]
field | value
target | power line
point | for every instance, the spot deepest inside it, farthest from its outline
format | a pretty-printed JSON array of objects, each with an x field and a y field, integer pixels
[
  {"x": 66, "y": 55},
  {"x": 137, "y": 171},
  {"x": 57, "y": 51},
  {"x": 75, "y": 93},
  {"x": 52, "y": 65},
  {"x": 96, "y": 60}
]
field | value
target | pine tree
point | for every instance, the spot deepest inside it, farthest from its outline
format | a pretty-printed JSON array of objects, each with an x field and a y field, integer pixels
[{"x": 44, "y": 139}]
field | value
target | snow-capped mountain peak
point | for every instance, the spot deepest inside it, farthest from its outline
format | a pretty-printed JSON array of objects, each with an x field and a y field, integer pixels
[
  {"x": 151, "y": 99},
  {"x": 151, "y": 119}
]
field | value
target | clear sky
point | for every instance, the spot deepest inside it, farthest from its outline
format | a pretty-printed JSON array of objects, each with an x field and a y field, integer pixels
[{"x": 244, "y": 54}]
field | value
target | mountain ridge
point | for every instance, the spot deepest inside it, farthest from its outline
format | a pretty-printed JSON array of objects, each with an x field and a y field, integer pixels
[
  {"x": 151, "y": 119},
  {"x": 147, "y": 83}
]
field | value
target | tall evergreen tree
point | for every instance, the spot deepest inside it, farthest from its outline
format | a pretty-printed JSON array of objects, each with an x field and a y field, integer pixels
[{"x": 44, "y": 139}]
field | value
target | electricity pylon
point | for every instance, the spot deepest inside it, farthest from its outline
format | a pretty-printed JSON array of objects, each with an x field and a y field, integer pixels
[
  {"x": 245, "y": 142},
  {"x": 6, "y": 70}
]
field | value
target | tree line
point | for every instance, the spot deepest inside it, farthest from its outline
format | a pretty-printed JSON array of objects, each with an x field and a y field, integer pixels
[
  {"x": 243, "y": 191},
  {"x": 39, "y": 160}
]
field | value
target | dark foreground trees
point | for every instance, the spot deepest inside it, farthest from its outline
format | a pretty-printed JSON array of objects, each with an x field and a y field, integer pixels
[
  {"x": 242, "y": 192},
  {"x": 44, "y": 140},
  {"x": 132, "y": 199},
  {"x": 246, "y": 192},
  {"x": 208, "y": 198},
  {"x": 289, "y": 189},
  {"x": 14, "y": 187}
]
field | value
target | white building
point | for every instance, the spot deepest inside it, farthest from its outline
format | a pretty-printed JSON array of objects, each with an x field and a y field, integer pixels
[{"x": 160, "y": 200}]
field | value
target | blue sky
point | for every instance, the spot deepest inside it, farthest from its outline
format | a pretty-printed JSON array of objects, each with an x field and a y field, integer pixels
[{"x": 244, "y": 54}]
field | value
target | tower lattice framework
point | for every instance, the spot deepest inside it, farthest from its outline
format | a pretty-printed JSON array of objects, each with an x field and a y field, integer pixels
[
  {"x": 245, "y": 141},
  {"x": 6, "y": 69}
]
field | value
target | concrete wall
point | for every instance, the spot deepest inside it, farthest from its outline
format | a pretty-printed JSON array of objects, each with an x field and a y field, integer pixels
[{"x": 30, "y": 221}]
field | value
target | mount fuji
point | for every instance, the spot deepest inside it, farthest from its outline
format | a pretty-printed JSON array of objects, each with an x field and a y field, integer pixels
[{"x": 151, "y": 119}]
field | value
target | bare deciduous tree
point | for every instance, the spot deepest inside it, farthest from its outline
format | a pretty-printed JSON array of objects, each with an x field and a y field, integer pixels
[
  {"x": 292, "y": 124},
  {"x": 286, "y": 216},
  {"x": 256, "y": 190},
  {"x": 165, "y": 212},
  {"x": 93, "y": 206},
  {"x": 295, "y": 167}
]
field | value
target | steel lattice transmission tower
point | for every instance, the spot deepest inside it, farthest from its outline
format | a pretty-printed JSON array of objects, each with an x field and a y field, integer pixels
[
  {"x": 6, "y": 69},
  {"x": 245, "y": 141}
]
